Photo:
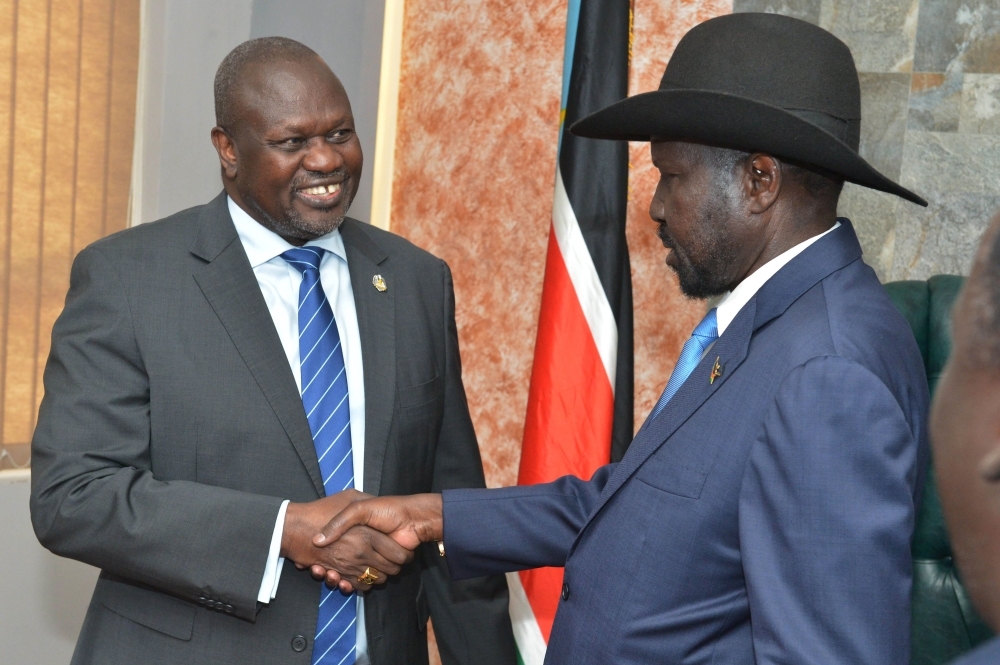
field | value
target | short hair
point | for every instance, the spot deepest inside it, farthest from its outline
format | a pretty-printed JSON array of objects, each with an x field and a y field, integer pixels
[
  {"x": 818, "y": 183},
  {"x": 980, "y": 302},
  {"x": 230, "y": 74}
]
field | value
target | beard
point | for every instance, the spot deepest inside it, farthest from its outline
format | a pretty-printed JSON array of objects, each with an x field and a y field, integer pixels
[
  {"x": 703, "y": 268},
  {"x": 293, "y": 225}
]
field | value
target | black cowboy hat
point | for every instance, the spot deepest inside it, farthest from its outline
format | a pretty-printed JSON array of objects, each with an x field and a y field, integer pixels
[{"x": 755, "y": 82}]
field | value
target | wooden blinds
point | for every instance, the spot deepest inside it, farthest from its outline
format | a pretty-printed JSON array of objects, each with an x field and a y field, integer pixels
[{"x": 67, "y": 108}]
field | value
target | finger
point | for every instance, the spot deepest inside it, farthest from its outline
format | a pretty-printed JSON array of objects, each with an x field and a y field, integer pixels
[
  {"x": 388, "y": 549},
  {"x": 300, "y": 566},
  {"x": 318, "y": 572},
  {"x": 347, "y": 587},
  {"x": 354, "y": 514},
  {"x": 363, "y": 558}
]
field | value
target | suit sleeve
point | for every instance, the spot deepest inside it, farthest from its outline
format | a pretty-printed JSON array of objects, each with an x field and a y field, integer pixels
[
  {"x": 471, "y": 619},
  {"x": 826, "y": 514},
  {"x": 515, "y": 528},
  {"x": 94, "y": 496}
]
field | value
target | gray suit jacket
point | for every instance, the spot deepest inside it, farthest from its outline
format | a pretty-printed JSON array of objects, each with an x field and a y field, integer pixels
[{"x": 172, "y": 429}]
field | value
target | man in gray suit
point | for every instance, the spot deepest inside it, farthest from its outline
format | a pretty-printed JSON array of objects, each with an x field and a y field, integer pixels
[{"x": 217, "y": 377}]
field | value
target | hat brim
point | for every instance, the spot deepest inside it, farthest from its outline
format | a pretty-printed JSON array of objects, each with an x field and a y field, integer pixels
[{"x": 734, "y": 122}]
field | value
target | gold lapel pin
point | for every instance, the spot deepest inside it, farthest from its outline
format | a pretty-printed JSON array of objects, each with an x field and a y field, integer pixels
[
  {"x": 378, "y": 283},
  {"x": 717, "y": 370}
]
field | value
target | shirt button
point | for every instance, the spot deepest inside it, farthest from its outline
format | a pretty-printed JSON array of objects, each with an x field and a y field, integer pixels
[
  {"x": 299, "y": 643},
  {"x": 565, "y": 591}
]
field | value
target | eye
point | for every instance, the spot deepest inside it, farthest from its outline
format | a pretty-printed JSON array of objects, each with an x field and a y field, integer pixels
[
  {"x": 340, "y": 135},
  {"x": 291, "y": 143}
]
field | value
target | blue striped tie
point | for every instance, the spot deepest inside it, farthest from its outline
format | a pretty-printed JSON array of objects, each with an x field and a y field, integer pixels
[
  {"x": 704, "y": 334},
  {"x": 324, "y": 396}
]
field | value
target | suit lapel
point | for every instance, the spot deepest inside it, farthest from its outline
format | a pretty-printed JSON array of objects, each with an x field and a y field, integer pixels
[
  {"x": 229, "y": 285},
  {"x": 377, "y": 325},
  {"x": 819, "y": 260},
  {"x": 731, "y": 350}
]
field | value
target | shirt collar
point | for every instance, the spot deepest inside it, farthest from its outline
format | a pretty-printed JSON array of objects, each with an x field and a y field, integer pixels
[
  {"x": 263, "y": 245},
  {"x": 733, "y": 301}
]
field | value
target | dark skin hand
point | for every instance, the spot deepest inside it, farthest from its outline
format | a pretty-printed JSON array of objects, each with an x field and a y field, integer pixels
[
  {"x": 354, "y": 550},
  {"x": 408, "y": 520}
]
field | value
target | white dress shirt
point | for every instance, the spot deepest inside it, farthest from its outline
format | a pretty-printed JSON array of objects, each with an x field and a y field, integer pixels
[
  {"x": 279, "y": 284},
  {"x": 732, "y": 302}
]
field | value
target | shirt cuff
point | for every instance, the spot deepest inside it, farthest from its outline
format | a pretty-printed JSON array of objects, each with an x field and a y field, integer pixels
[{"x": 272, "y": 570}]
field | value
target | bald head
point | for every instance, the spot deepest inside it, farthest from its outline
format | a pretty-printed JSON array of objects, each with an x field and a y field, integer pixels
[
  {"x": 978, "y": 341},
  {"x": 233, "y": 74}
]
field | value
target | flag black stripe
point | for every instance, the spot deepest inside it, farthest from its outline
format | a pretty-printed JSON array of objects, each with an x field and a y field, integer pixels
[{"x": 595, "y": 174}]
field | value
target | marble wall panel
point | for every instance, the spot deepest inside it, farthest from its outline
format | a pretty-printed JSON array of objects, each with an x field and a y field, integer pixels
[
  {"x": 884, "y": 98},
  {"x": 957, "y": 173},
  {"x": 881, "y": 34},
  {"x": 958, "y": 35},
  {"x": 980, "y": 105},
  {"x": 935, "y": 101},
  {"x": 807, "y": 10}
]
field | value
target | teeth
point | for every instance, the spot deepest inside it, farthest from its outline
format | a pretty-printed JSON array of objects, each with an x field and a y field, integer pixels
[{"x": 323, "y": 189}]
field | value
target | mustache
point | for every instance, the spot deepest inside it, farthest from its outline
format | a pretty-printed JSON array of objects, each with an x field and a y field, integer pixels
[
  {"x": 311, "y": 178},
  {"x": 664, "y": 236}
]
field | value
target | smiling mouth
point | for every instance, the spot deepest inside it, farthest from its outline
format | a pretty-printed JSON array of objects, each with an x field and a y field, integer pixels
[{"x": 322, "y": 195}]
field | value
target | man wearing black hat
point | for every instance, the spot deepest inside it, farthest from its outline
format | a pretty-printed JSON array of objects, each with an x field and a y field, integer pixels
[{"x": 763, "y": 512}]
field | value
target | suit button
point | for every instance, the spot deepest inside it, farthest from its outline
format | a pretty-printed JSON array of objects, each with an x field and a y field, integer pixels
[
  {"x": 565, "y": 591},
  {"x": 201, "y": 600},
  {"x": 299, "y": 643}
]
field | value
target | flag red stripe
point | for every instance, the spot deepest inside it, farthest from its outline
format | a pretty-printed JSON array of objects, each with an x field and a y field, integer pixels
[{"x": 570, "y": 410}]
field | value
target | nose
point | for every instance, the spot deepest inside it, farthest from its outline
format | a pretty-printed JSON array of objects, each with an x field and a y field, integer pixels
[
  {"x": 322, "y": 156},
  {"x": 656, "y": 206}
]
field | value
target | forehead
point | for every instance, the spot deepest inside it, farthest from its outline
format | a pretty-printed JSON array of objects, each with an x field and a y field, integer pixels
[
  {"x": 674, "y": 152},
  {"x": 293, "y": 93}
]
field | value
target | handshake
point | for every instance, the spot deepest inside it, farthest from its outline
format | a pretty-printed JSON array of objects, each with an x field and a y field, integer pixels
[{"x": 353, "y": 540}]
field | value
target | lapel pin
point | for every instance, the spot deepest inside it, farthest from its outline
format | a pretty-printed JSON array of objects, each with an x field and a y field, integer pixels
[
  {"x": 378, "y": 283},
  {"x": 717, "y": 371}
]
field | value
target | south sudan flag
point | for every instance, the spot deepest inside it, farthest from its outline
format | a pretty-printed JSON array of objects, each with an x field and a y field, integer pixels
[{"x": 580, "y": 401}]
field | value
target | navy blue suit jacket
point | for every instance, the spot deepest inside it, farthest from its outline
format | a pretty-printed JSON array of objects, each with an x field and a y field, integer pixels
[
  {"x": 987, "y": 653},
  {"x": 762, "y": 518}
]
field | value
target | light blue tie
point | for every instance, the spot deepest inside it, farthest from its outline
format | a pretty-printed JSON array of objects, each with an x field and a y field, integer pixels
[
  {"x": 704, "y": 334},
  {"x": 324, "y": 397}
]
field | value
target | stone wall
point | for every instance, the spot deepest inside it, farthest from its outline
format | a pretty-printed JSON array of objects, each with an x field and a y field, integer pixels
[{"x": 930, "y": 86}]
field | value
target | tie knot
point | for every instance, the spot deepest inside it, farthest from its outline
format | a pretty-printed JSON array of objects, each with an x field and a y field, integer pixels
[
  {"x": 304, "y": 258},
  {"x": 708, "y": 328}
]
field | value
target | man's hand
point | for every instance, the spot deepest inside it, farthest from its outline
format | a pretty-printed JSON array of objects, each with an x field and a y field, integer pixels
[
  {"x": 357, "y": 549},
  {"x": 408, "y": 520}
]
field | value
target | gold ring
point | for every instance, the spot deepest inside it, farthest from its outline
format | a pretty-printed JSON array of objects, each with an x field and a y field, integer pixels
[{"x": 370, "y": 576}]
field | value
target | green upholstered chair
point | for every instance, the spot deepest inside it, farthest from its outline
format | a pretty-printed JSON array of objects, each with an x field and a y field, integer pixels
[{"x": 944, "y": 623}]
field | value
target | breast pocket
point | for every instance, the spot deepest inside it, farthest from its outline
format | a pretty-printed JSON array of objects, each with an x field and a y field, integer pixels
[{"x": 667, "y": 473}]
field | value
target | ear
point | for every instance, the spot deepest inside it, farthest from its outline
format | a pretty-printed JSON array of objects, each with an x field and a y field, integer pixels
[
  {"x": 226, "y": 148},
  {"x": 762, "y": 181}
]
